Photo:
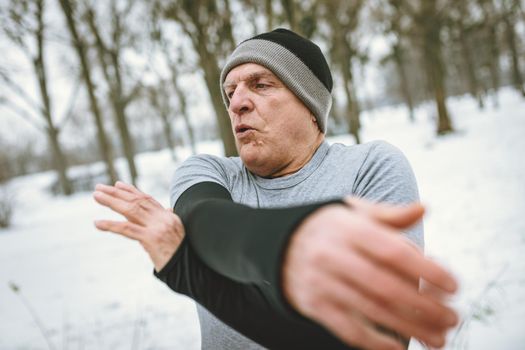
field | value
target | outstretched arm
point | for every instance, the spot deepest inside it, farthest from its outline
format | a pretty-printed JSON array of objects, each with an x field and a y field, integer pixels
[
  {"x": 249, "y": 308},
  {"x": 329, "y": 274}
]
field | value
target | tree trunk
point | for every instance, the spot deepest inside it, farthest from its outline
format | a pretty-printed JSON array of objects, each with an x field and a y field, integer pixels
[
  {"x": 352, "y": 108},
  {"x": 290, "y": 11},
  {"x": 168, "y": 134},
  {"x": 343, "y": 19},
  {"x": 212, "y": 78},
  {"x": 184, "y": 112},
  {"x": 355, "y": 124},
  {"x": 434, "y": 69},
  {"x": 120, "y": 114},
  {"x": 432, "y": 54},
  {"x": 78, "y": 44},
  {"x": 489, "y": 11},
  {"x": 510, "y": 37},
  {"x": 209, "y": 48},
  {"x": 166, "y": 126},
  {"x": 181, "y": 97},
  {"x": 494, "y": 66},
  {"x": 268, "y": 9},
  {"x": 345, "y": 65},
  {"x": 472, "y": 78},
  {"x": 468, "y": 61},
  {"x": 159, "y": 98},
  {"x": 116, "y": 97},
  {"x": 59, "y": 160},
  {"x": 403, "y": 80}
]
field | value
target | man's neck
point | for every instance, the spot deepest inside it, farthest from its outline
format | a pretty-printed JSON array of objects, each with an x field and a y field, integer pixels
[{"x": 297, "y": 164}]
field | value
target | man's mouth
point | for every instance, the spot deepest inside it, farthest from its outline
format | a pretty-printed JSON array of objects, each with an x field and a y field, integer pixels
[{"x": 240, "y": 129}]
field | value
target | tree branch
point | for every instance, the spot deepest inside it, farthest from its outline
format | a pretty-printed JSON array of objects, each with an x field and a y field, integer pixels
[
  {"x": 22, "y": 113},
  {"x": 21, "y": 93},
  {"x": 71, "y": 104}
]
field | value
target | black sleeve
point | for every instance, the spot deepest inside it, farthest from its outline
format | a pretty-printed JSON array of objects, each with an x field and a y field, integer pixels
[
  {"x": 237, "y": 241},
  {"x": 229, "y": 263}
]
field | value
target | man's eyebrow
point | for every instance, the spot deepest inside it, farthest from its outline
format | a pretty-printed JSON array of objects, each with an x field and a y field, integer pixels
[{"x": 250, "y": 77}]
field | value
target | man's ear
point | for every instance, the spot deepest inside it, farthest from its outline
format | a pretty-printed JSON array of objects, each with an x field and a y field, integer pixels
[{"x": 314, "y": 120}]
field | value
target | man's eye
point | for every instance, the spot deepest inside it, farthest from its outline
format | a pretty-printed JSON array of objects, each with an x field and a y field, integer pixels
[
  {"x": 261, "y": 86},
  {"x": 229, "y": 94}
]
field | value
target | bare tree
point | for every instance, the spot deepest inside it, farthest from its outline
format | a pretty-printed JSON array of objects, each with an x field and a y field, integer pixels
[
  {"x": 24, "y": 23},
  {"x": 491, "y": 24},
  {"x": 7, "y": 203},
  {"x": 174, "y": 58},
  {"x": 428, "y": 17},
  {"x": 80, "y": 46},
  {"x": 510, "y": 8},
  {"x": 207, "y": 23},
  {"x": 183, "y": 108},
  {"x": 399, "y": 56},
  {"x": 110, "y": 56},
  {"x": 343, "y": 19},
  {"x": 290, "y": 9},
  {"x": 159, "y": 97},
  {"x": 269, "y": 12},
  {"x": 465, "y": 27},
  {"x": 392, "y": 19}
]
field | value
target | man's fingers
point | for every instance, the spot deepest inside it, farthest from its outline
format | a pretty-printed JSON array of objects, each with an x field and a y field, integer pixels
[
  {"x": 124, "y": 228},
  {"x": 115, "y": 192},
  {"x": 116, "y": 204},
  {"x": 394, "y": 252},
  {"x": 351, "y": 299},
  {"x": 356, "y": 331},
  {"x": 127, "y": 187},
  {"x": 426, "y": 288},
  {"x": 395, "y": 216},
  {"x": 137, "y": 193},
  {"x": 391, "y": 290}
]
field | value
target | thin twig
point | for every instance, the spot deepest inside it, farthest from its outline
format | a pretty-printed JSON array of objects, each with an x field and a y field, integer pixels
[
  {"x": 475, "y": 305},
  {"x": 33, "y": 313}
]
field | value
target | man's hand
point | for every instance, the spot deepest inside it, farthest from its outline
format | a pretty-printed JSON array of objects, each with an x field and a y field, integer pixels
[
  {"x": 352, "y": 271},
  {"x": 157, "y": 229}
]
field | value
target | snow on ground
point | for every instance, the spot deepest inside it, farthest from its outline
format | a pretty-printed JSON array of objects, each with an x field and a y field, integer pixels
[{"x": 93, "y": 290}]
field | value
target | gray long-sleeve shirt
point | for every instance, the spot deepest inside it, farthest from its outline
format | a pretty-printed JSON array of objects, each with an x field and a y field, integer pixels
[{"x": 376, "y": 171}]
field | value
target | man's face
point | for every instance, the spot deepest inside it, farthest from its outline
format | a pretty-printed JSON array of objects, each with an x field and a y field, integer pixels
[{"x": 274, "y": 132}]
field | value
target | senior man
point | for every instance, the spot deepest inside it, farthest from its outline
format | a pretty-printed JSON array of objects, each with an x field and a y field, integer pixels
[{"x": 285, "y": 247}]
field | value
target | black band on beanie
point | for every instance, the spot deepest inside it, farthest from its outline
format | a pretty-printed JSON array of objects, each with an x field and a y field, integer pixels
[{"x": 307, "y": 51}]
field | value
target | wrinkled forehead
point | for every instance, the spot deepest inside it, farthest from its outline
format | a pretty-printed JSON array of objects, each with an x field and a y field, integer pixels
[{"x": 247, "y": 72}]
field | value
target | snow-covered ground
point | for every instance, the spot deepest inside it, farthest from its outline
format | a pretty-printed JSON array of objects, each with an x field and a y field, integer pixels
[{"x": 93, "y": 290}]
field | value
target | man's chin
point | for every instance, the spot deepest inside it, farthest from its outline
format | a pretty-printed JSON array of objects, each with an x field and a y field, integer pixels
[
  {"x": 249, "y": 149},
  {"x": 251, "y": 157}
]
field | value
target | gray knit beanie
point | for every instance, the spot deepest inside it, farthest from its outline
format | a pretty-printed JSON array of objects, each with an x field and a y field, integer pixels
[{"x": 296, "y": 61}]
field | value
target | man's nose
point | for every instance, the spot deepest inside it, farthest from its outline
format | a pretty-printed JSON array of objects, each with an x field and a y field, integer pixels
[{"x": 240, "y": 102}]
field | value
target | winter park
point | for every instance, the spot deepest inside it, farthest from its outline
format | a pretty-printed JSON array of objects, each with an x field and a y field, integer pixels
[{"x": 95, "y": 92}]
